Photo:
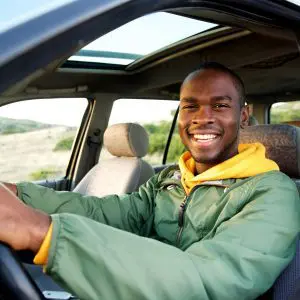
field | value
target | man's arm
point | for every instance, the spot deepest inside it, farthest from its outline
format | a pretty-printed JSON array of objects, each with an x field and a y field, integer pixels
[
  {"x": 10, "y": 186},
  {"x": 20, "y": 226},
  {"x": 241, "y": 261},
  {"x": 128, "y": 212},
  {"x": 24, "y": 224}
]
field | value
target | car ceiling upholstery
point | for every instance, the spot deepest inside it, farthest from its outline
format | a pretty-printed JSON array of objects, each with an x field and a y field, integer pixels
[{"x": 266, "y": 57}]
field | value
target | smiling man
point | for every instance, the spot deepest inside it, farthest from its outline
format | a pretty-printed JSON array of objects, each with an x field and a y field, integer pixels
[
  {"x": 212, "y": 110},
  {"x": 221, "y": 225}
]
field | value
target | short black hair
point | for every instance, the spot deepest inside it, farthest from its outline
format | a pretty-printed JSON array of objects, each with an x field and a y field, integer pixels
[{"x": 237, "y": 81}]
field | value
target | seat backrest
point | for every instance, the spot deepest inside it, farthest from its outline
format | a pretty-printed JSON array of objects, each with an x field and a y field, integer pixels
[
  {"x": 282, "y": 145},
  {"x": 126, "y": 170},
  {"x": 252, "y": 121}
]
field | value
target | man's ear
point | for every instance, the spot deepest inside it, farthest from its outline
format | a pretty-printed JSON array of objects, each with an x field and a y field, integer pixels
[{"x": 244, "y": 117}]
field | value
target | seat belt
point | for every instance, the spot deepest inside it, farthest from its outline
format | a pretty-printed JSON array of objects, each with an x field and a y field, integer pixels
[{"x": 94, "y": 146}]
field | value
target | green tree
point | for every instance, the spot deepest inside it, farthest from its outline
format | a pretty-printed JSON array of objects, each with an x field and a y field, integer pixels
[
  {"x": 285, "y": 112},
  {"x": 158, "y": 135}
]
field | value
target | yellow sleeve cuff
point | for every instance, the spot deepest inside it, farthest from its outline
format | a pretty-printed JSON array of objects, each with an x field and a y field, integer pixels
[{"x": 42, "y": 255}]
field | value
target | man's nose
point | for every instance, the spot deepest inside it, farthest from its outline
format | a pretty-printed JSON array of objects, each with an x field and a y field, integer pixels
[{"x": 204, "y": 115}]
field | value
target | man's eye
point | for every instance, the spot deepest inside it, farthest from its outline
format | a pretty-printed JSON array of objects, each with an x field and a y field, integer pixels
[
  {"x": 191, "y": 106},
  {"x": 220, "y": 105}
]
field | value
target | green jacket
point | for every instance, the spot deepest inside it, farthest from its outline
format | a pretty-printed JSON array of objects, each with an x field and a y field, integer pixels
[{"x": 227, "y": 240}]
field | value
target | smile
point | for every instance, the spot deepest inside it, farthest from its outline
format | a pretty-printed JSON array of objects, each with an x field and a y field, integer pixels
[
  {"x": 204, "y": 137},
  {"x": 205, "y": 140}
]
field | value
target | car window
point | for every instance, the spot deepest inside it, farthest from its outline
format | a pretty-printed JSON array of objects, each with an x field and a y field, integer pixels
[
  {"x": 176, "y": 147},
  {"x": 155, "y": 116},
  {"x": 297, "y": 2},
  {"x": 36, "y": 137},
  {"x": 285, "y": 113},
  {"x": 120, "y": 46}
]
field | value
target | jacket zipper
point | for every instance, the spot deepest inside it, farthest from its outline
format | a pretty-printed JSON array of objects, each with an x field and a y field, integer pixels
[
  {"x": 182, "y": 209},
  {"x": 180, "y": 219}
]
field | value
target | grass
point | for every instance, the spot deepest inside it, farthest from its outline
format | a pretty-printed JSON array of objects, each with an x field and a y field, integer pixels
[
  {"x": 64, "y": 144},
  {"x": 44, "y": 173}
]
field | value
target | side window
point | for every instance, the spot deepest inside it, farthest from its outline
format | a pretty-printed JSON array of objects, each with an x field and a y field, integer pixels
[
  {"x": 155, "y": 116},
  {"x": 176, "y": 147},
  {"x": 285, "y": 113},
  {"x": 37, "y": 136}
]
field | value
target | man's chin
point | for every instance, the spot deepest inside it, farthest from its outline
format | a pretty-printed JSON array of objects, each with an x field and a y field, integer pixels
[
  {"x": 211, "y": 159},
  {"x": 205, "y": 159},
  {"x": 210, "y": 162}
]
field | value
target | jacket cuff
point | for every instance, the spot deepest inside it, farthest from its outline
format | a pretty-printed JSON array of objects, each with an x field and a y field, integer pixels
[{"x": 41, "y": 257}]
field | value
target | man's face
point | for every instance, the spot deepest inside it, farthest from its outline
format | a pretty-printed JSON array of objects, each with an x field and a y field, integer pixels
[{"x": 210, "y": 116}]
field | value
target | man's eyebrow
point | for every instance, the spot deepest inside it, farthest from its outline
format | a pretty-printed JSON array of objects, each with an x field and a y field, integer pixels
[
  {"x": 188, "y": 99},
  {"x": 220, "y": 98}
]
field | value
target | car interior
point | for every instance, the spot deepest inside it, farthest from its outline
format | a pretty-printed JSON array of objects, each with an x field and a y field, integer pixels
[{"x": 264, "y": 51}]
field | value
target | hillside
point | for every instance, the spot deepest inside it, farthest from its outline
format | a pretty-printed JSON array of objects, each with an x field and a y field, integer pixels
[
  {"x": 28, "y": 150},
  {"x": 34, "y": 151},
  {"x": 10, "y": 126}
]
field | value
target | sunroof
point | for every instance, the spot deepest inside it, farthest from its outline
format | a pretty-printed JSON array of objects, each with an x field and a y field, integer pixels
[{"x": 139, "y": 38}]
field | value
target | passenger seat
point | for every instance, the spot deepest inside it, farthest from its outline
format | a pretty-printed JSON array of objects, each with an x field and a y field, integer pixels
[{"x": 126, "y": 170}]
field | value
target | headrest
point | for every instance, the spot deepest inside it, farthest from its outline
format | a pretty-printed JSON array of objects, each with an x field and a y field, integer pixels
[
  {"x": 281, "y": 142},
  {"x": 126, "y": 139}
]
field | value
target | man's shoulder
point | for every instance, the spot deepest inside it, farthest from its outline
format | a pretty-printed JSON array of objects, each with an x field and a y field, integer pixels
[
  {"x": 274, "y": 186},
  {"x": 170, "y": 172},
  {"x": 273, "y": 178},
  {"x": 268, "y": 181}
]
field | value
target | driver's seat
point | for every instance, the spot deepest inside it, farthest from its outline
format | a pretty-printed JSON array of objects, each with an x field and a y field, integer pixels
[{"x": 282, "y": 143}]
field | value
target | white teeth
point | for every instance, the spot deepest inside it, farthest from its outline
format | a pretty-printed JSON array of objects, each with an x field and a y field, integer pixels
[{"x": 204, "y": 136}]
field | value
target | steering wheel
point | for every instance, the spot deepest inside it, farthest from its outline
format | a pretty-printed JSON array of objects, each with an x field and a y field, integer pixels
[{"x": 15, "y": 282}]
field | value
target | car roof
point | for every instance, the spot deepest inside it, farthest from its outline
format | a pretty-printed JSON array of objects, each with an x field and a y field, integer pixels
[{"x": 262, "y": 49}]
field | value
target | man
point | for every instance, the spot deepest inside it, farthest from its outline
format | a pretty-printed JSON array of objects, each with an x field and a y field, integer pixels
[{"x": 222, "y": 225}]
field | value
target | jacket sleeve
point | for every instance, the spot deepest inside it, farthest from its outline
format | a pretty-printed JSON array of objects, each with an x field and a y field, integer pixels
[
  {"x": 130, "y": 212},
  {"x": 241, "y": 261}
]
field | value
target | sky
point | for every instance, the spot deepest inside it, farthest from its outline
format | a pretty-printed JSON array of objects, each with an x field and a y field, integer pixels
[{"x": 141, "y": 36}]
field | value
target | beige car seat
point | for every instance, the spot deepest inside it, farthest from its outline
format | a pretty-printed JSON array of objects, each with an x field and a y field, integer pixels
[{"x": 126, "y": 170}]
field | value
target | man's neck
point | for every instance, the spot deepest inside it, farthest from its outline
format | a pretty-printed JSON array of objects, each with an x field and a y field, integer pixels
[{"x": 200, "y": 167}]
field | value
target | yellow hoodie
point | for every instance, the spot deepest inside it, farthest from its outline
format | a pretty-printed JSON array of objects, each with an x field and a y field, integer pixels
[{"x": 250, "y": 161}]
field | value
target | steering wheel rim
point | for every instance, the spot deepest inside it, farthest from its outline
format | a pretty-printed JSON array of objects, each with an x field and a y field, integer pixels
[{"x": 15, "y": 282}]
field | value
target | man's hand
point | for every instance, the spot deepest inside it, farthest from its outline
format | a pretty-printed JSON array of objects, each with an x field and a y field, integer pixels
[{"x": 21, "y": 227}]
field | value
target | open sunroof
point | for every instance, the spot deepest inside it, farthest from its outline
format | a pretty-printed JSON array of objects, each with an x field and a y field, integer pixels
[{"x": 140, "y": 37}]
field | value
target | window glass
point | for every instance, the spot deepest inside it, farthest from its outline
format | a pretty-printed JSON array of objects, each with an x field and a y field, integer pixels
[
  {"x": 155, "y": 116},
  {"x": 297, "y": 2},
  {"x": 36, "y": 138},
  {"x": 285, "y": 113},
  {"x": 176, "y": 147},
  {"x": 139, "y": 37}
]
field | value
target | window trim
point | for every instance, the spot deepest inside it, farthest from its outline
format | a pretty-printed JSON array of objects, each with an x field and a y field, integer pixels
[{"x": 171, "y": 132}]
